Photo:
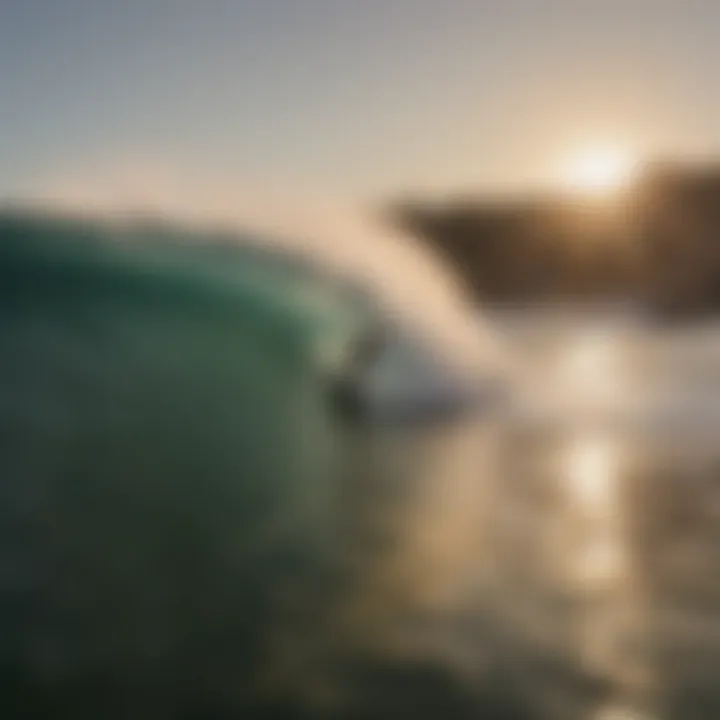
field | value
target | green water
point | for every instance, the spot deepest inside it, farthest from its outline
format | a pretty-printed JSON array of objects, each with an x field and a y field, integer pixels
[{"x": 168, "y": 461}]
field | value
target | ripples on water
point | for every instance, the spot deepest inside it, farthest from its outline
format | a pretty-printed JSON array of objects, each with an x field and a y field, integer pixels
[
  {"x": 558, "y": 562},
  {"x": 553, "y": 561}
]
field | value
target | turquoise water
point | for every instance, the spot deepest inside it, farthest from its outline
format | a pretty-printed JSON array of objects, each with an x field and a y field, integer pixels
[{"x": 168, "y": 460}]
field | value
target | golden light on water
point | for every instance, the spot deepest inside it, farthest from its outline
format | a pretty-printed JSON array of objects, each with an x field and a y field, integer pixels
[
  {"x": 591, "y": 370},
  {"x": 619, "y": 712},
  {"x": 591, "y": 468}
]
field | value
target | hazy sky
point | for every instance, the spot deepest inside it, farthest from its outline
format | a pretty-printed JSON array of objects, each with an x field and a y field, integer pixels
[{"x": 362, "y": 97}]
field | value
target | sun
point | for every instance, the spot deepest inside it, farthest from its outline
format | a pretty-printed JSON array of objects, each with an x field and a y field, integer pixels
[{"x": 599, "y": 169}]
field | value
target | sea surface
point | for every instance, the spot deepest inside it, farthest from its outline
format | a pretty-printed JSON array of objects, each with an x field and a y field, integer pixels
[
  {"x": 557, "y": 558},
  {"x": 552, "y": 556}
]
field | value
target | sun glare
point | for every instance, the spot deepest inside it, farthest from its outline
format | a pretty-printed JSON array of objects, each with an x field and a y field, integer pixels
[{"x": 599, "y": 169}]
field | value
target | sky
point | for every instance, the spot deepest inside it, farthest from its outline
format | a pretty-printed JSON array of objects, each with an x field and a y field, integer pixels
[{"x": 360, "y": 98}]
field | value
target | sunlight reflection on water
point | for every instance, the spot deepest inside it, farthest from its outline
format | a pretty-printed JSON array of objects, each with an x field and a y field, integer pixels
[{"x": 565, "y": 562}]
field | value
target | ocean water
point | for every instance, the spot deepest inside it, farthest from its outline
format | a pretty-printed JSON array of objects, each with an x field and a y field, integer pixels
[
  {"x": 571, "y": 540},
  {"x": 553, "y": 558},
  {"x": 189, "y": 530}
]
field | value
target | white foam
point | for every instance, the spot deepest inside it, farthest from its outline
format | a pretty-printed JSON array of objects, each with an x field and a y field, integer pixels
[{"x": 414, "y": 287}]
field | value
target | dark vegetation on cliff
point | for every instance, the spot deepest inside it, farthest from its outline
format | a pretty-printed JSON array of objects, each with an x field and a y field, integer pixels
[{"x": 655, "y": 243}]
